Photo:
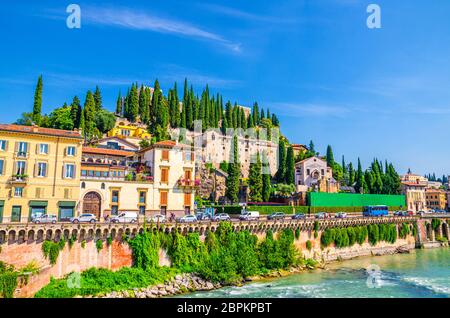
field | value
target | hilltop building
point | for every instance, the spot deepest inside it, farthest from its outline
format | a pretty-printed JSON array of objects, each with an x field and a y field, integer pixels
[
  {"x": 39, "y": 172},
  {"x": 436, "y": 199},
  {"x": 131, "y": 132},
  {"x": 314, "y": 174},
  {"x": 415, "y": 194}
]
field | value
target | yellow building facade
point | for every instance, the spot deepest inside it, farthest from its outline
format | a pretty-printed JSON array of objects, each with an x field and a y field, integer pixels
[
  {"x": 39, "y": 172},
  {"x": 124, "y": 130},
  {"x": 436, "y": 199}
]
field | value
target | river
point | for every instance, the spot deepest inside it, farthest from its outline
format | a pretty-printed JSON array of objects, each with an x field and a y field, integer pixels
[{"x": 422, "y": 274}]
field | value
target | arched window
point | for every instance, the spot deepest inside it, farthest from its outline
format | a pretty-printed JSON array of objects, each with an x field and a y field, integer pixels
[
  {"x": 83, "y": 185},
  {"x": 103, "y": 186}
]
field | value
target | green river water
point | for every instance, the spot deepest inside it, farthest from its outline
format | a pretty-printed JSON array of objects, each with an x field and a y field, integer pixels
[{"x": 422, "y": 274}]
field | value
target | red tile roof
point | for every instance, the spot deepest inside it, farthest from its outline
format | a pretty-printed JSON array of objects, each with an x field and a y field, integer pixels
[
  {"x": 414, "y": 184},
  {"x": 165, "y": 144},
  {"x": 109, "y": 152},
  {"x": 40, "y": 131}
]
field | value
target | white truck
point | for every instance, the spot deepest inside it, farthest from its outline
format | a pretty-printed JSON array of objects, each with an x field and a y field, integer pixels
[{"x": 249, "y": 215}]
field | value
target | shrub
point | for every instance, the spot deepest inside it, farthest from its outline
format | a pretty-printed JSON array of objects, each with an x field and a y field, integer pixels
[
  {"x": 99, "y": 245},
  {"x": 297, "y": 233},
  {"x": 8, "y": 280},
  {"x": 51, "y": 250},
  {"x": 308, "y": 245}
]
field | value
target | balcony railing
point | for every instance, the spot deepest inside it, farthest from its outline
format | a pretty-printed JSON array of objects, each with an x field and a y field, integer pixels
[
  {"x": 188, "y": 183},
  {"x": 19, "y": 179}
]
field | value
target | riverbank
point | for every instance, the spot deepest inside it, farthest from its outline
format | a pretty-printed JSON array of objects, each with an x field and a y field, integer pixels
[
  {"x": 423, "y": 273},
  {"x": 185, "y": 284}
]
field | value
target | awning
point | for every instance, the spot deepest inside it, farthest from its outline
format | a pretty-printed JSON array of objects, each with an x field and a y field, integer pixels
[
  {"x": 38, "y": 203},
  {"x": 67, "y": 204}
]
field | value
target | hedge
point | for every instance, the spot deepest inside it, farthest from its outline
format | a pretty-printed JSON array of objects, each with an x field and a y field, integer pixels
[{"x": 349, "y": 209}]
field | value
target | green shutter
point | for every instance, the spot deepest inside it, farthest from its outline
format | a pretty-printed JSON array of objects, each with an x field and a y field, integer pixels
[
  {"x": 67, "y": 204},
  {"x": 38, "y": 203}
]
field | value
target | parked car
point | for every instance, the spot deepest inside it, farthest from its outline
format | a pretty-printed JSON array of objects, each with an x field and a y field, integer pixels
[
  {"x": 441, "y": 211},
  {"x": 188, "y": 219},
  {"x": 222, "y": 217},
  {"x": 276, "y": 216},
  {"x": 125, "y": 217},
  {"x": 250, "y": 215},
  {"x": 84, "y": 218},
  {"x": 400, "y": 213},
  {"x": 321, "y": 215},
  {"x": 299, "y": 216},
  {"x": 409, "y": 213},
  {"x": 340, "y": 215},
  {"x": 157, "y": 218},
  {"x": 202, "y": 216},
  {"x": 45, "y": 218}
]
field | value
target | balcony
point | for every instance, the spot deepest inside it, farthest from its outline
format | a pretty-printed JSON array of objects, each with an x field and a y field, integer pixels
[
  {"x": 19, "y": 179},
  {"x": 22, "y": 154},
  {"x": 188, "y": 183}
]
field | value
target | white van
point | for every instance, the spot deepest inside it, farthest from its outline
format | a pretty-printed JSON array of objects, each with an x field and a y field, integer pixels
[
  {"x": 250, "y": 215},
  {"x": 125, "y": 217}
]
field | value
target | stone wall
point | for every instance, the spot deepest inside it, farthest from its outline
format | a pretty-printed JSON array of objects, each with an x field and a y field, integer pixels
[{"x": 74, "y": 259}]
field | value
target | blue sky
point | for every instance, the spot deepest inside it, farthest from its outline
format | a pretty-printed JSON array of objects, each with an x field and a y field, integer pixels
[{"x": 370, "y": 93}]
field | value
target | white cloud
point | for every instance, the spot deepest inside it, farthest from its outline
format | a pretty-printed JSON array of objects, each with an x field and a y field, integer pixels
[{"x": 131, "y": 19}]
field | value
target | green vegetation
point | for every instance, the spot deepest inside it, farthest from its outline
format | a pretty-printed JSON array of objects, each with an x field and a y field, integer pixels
[
  {"x": 99, "y": 245},
  {"x": 234, "y": 173},
  {"x": 95, "y": 281},
  {"x": 225, "y": 256},
  {"x": 344, "y": 237},
  {"x": 51, "y": 250},
  {"x": 308, "y": 245},
  {"x": 255, "y": 180},
  {"x": 8, "y": 280},
  {"x": 404, "y": 230},
  {"x": 435, "y": 223}
]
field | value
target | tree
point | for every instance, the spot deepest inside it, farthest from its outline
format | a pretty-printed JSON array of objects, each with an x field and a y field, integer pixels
[
  {"x": 133, "y": 104},
  {"x": 266, "y": 186},
  {"x": 161, "y": 114},
  {"x": 330, "y": 157},
  {"x": 281, "y": 161},
  {"x": 255, "y": 113},
  {"x": 290, "y": 166},
  {"x": 119, "y": 105},
  {"x": 255, "y": 180},
  {"x": 360, "y": 185},
  {"x": 351, "y": 175},
  {"x": 104, "y": 121},
  {"x": 98, "y": 99},
  {"x": 76, "y": 112},
  {"x": 89, "y": 116},
  {"x": 37, "y": 106},
  {"x": 60, "y": 118},
  {"x": 234, "y": 173},
  {"x": 26, "y": 119}
]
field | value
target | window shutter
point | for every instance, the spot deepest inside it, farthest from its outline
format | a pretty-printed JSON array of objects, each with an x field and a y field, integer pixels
[
  {"x": 46, "y": 170},
  {"x": 6, "y": 145},
  {"x": 36, "y": 169},
  {"x": 37, "y": 148},
  {"x": 28, "y": 147},
  {"x": 48, "y": 149},
  {"x": 187, "y": 199},
  {"x": 16, "y": 149},
  {"x": 64, "y": 171}
]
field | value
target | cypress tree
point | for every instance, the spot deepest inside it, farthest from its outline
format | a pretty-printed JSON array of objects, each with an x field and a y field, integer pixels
[
  {"x": 89, "y": 116},
  {"x": 266, "y": 186},
  {"x": 290, "y": 166},
  {"x": 262, "y": 116},
  {"x": 361, "y": 186},
  {"x": 281, "y": 173},
  {"x": 98, "y": 99},
  {"x": 275, "y": 120},
  {"x": 255, "y": 114},
  {"x": 37, "y": 106},
  {"x": 119, "y": 105},
  {"x": 144, "y": 110},
  {"x": 229, "y": 114},
  {"x": 133, "y": 106},
  {"x": 268, "y": 115},
  {"x": 234, "y": 172},
  {"x": 76, "y": 112},
  {"x": 255, "y": 180},
  {"x": 351, "y": 174},
  {"x": 330, "y": 157}
]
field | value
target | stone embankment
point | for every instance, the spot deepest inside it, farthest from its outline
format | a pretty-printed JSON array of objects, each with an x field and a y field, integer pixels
[{"x": 180, "y": 284}]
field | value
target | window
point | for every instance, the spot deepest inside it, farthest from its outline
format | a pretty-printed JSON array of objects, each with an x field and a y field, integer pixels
[
  {"x": 2, "y": 165},
  {"x": 69, "y": 171},
  {"x": 142, "y": 210},
  {"x": 164, "y": 175},
  {"x": 188, "y": 156},
  {"x": 187, "y": 199},
  {"x": 37, "y": 211},
  {"x": 115, "y": 196},
  {"x": 142, "y": 195},
  {"x": 103, "y": 186},
  {"x": 98, "y": 174},
  {"x": 163, "y": 198},
  {"x": 65, "y": 213},
  {"x": 164, "y": 210},
  {"x": 114, "y": 210},
  {"x": 323, "y": 172},
  {"x": 3, "y": 145},
  {"x": 42, "y": 169},
  {"x": 165, "y": 155},
  {"x": 20, "y": 167},
  {"x": 66, "y": 193},
  {"x": 83, "y": 185},
  {"x": 18, "y": 192},
  {"x": 71, "y": 151},
  {"x": 22, "y": 149},
  {"x": 43, "y": 149},
  {"x": 16, "y": 213}
]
